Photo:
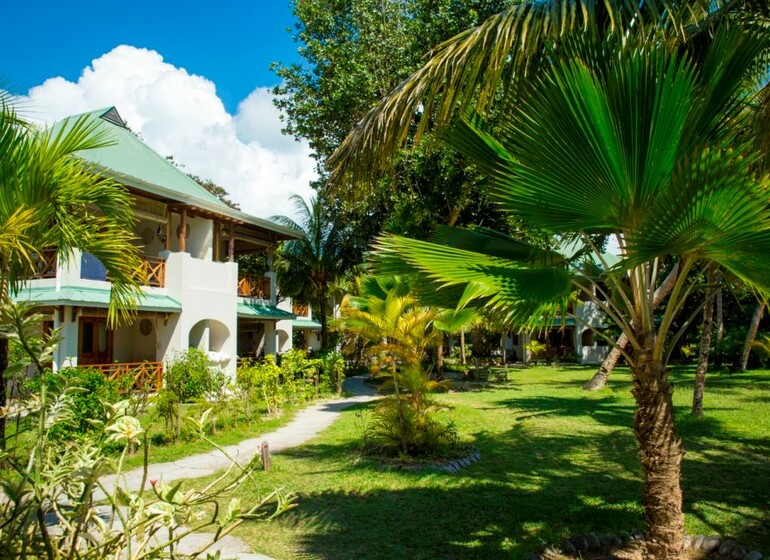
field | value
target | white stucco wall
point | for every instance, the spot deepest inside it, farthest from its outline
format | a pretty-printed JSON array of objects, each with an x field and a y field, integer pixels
[{"x": 207, "y": 292}]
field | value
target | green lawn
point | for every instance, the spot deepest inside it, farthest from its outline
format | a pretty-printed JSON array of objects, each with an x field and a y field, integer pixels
[
  {"x": 231, "y": 433},
  {"x": 556, "y": 461}
]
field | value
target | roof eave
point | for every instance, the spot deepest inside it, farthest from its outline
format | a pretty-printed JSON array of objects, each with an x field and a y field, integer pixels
[{"x": 281, "y": 233}]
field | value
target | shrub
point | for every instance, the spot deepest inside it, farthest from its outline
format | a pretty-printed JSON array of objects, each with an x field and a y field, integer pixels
[
  {"x": 89, "y": 390},
  {"x": 189, "y": 375},
  {"x": 536, "y": 349},
  {"x": 262, "y": 379},
  {"x": 49, "y": 509},
  {"x": 300, "y": 375},
  {"x": 167, "y": 406},
  {"x": 333, "y": 371}
]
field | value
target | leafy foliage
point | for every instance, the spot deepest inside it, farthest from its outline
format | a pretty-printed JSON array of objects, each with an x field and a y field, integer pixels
[
  {"x": 189, "y": 376},
  {"x": 405, "y": 425},
  {"x": 90, "y": 392},
  {"x": 50, "y": 490},
  {"x": 307, "y": 267},
  {"x": 355, "y": 51}
]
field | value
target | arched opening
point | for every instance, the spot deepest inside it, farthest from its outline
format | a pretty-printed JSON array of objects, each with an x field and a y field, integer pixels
[
  {"x": 283, "y": 340},
  {"x": 588, "y": 338},
  {"x": 211, "y": 336}
]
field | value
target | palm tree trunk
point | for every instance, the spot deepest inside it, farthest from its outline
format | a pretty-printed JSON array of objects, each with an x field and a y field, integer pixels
[
  {"x": 660, "y": 451},
  {"x": 399, "y": 405},
  {"x": 440, "y": 359},
  {"x": 720, "y": 317},
  {"x": 720, "y": 321},
  {"x": 463, "y": 361},
  {"x": 705, "y": 342},
  {"x": 3, "y": 387},
  {"x": 759, "y": 310},
  {"x": 322, "y": 315},
  {"x": 599, "y": 380}
]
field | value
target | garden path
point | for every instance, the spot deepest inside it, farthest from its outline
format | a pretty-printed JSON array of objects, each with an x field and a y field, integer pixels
[{"x": 307, "y": 424}]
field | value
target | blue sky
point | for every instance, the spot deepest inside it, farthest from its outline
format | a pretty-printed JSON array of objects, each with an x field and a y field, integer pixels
[
  {"x": 231, "y": 42},
  {"x": 191, "y": 78}
]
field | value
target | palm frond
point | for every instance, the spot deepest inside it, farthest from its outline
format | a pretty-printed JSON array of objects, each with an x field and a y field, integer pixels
[{"x": 470, "y": 68}]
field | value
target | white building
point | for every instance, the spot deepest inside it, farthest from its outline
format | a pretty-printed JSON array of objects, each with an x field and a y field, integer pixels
[
  {"x": 575, "y": 340},
  {"x": 194, "y": 297}
]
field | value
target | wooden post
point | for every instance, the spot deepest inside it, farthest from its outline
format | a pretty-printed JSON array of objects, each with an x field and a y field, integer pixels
[
  {"x": 264, "y": 451},
  {"x": 231, "y": 244},
  {"x": 167, "y": 231},
  {"x": 182, "y": 230},
  {"x": 216, "y": 241}
]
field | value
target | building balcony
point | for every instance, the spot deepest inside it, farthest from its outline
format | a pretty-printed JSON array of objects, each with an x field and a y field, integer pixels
[
  {"x": 151, "y": 272},
  {"x": 253, "y": 287},
  {"x": 133, "y": 376},
  {"x": 45, "y": 263},
  {"x": 300, "y": 309}
]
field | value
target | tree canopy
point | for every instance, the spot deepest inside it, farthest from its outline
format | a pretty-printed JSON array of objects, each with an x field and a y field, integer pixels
[{"x": 355, "y": 53}]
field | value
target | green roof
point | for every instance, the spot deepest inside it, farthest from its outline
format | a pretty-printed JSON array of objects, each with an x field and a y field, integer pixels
[
  {"x": 132, "y": 162},
  {"x": 257, "y": 311},
  {"x": 306, "y": 324},
  {"x": 93, "y": 297}
]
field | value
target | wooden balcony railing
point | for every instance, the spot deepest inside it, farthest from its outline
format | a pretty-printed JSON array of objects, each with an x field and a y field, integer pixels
[
  {"x": 153, "y": 272},
  {"x": 134, "y": 376},
  {"x": 299, "y": 309},
  {"x": 45, "y": 264},
  {"x": 253, "y": 287}
]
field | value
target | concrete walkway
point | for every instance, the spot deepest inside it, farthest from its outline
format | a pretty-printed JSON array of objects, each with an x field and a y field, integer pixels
[{"x": 307, "y": 424}]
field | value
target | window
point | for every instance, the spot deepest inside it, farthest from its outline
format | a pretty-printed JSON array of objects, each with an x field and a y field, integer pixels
[{"x": 92, "y": 268}]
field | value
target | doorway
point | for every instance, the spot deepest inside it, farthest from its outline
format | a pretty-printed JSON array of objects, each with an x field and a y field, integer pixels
[{"x": 94, "y": 341}]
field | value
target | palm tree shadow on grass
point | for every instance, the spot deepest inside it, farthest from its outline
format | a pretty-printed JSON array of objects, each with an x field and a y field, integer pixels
[
  {"x": 524, "y": 493},
  {"x": 529, "y": 489}
]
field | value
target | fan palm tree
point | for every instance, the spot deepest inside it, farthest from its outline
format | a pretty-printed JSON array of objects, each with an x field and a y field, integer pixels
[
  {"x": 632, "y": 139},
  {"x": 307, "y": 267},
  {"x": 51, "y": 198}
]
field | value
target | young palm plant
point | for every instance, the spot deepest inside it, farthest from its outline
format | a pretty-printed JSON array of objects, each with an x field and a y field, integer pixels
[
  {"x": 627, "y": 138},
  {"x": 396, "y": 330}
]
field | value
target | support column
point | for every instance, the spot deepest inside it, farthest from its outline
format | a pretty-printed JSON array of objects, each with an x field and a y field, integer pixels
[
  {"x": 167, "y": 232},
  {"x": 271, "y": 338},
  {"x": 182, "y": 231},
  {"x": 217, "y": 241}
]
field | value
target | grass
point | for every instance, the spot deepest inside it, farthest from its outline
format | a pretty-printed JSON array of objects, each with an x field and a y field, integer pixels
[
  {"x": 556, "y": 461},
  {"x": 237, "y": 429}
]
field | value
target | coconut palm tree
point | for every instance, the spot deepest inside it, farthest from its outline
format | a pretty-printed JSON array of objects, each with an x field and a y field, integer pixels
[
  {"x": 51, "y": 198},
  {"x": 628, "y": 138},
  {"x": 307, "y": 267}
]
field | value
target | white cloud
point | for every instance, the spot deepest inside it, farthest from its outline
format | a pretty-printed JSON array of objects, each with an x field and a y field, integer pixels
[{"x": 180, "y": 114}]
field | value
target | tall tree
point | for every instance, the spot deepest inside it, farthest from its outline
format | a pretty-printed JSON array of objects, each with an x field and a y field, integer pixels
[
  {"x": 307, "y": 267},
  {"x": 704, "y": 350},
  {"x": 751, "y": 334},
  {"x": 620, "y": 135},
  {"x": 51, "y": 198},
  {"x": 355, "y": 52}
]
